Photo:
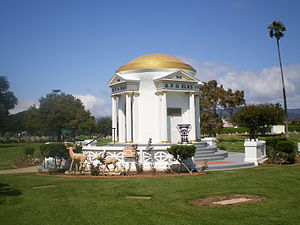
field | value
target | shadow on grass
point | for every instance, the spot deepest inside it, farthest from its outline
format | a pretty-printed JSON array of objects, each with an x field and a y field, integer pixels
[
  {"x": 5, "y": 190},
  {"x": 7, "y": 146}
]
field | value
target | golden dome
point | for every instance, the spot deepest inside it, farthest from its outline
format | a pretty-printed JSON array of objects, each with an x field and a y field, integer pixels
[{"x": 155, "y": 61}]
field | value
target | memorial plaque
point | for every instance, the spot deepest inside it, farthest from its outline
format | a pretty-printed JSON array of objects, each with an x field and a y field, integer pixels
[{"x": 129, "y": 152}]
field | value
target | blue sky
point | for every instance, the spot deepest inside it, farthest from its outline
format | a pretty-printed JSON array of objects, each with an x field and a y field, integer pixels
[{"x": 76, "y": 46}]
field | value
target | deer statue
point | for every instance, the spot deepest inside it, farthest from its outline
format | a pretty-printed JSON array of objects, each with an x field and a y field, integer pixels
[
  {"x": 75, "y": 156},
  {"x": 107, "y": 161}
]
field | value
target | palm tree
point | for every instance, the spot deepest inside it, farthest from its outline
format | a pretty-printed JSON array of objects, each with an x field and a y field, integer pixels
[{"x": 276, "y": 29}]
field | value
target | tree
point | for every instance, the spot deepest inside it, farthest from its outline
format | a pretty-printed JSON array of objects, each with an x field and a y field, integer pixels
[
  {"x": 258, "y": 117},
  {"x": 7, "y": 101},
  {"x": 276, "y": 29},
  {"x": 16, "y": 122},
  {"x": 217, "y": 103},
  {"x": 105, "y": 126},
  {"x": 57, "y": 112}
]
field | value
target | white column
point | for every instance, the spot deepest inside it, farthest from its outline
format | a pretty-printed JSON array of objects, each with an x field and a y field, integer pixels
[
  {"x": 192, "y": 134},
  {"x": 121, "y": 124},
  {"x": 114, "y": 118},
  {"x": 164, "y": 118},
  {"x": 135, "y": 118},
  {"x": 197, "y": 105},
  {"x": 158, "y": 118},
  {"x": 128, "y": 118}
]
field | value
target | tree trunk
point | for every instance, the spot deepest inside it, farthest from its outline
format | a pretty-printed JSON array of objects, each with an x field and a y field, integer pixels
[
  {"x": 283, "y": 91},
  {"x": 185, "y": 166}
]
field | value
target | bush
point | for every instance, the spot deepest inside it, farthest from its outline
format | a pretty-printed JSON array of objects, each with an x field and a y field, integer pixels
[
  {"x": 280, "y": 150},
  {"x": 287, "y": 151},
  {"x": 28, "y": 151},
  {"x": 272, "y": 142},
  {"x": 55, "y": 150},
  {"x": 182, "y": 152}
]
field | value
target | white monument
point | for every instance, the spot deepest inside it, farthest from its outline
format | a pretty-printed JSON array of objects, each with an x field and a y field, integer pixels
[{"x": 151, "y": 95}]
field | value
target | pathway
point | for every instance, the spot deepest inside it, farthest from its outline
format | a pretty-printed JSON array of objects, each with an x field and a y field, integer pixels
[{"x": 32, "y": 169}]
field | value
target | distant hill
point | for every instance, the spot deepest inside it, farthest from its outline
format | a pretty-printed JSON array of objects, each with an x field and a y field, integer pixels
[{"x": 294, "y": 114}]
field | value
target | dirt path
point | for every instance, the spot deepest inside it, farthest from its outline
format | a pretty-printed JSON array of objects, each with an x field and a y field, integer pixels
[{"x": 32, "y": 169}]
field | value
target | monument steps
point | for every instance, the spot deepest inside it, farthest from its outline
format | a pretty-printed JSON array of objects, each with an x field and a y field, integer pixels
[
  {"x": 230, "y": 166},
  {"x": 211, "y": 157},
  {"x": 218, "y": 159}
]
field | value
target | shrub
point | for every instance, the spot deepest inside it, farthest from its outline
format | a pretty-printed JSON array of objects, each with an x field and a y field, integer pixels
[
  {"x": 286, "y": 151},
  {"x": 182, "y": 152},
  {"x": 272, "y": 142},
  {"x": 280, "y": 150},
  {"x": 28, "y": 151},
  {"x": 55, "y": 150}
]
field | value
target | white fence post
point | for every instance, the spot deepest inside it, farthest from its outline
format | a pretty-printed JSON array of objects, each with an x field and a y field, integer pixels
[
  {"x": 255, "y": 151},
  {"x": 211, "y": 141}
]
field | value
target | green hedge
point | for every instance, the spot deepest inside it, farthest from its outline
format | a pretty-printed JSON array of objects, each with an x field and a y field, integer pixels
[
  {"x": 280, "y": 150},
  {"x": 294, "y": 127},
  {"x": 238, "y": 130}
]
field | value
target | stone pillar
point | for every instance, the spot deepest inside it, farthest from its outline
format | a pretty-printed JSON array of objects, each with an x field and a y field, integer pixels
[
  {"x": 192, "y": 135},
  {"x": 128, "y": 118},
  {"x": 114, "y": 118},
  {"x": 255, "y": 151},
  {"x": 121, "y": 116},
  {"x": 135, "y": 118},
  {"x": 197, "y": 124},
  {"x": 164, "y": 118}
]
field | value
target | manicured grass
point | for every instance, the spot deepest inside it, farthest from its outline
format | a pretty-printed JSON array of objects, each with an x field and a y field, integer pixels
[
  {"x": 235, "y": 143},
  {"x": 103, "y": 142},
  {"x": 32, "y": 199},
  {"x": 10, "y": 152},
  {"x": 231, "y": 143}
]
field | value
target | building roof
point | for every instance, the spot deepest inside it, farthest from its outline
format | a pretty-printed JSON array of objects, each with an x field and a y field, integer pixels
[{"x": 155, "y": 61}]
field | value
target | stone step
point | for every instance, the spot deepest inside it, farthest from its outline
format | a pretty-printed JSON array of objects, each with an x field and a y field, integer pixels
[
  {"x": 211, "y": 157},
  {"x": 201, "y": 144},
  {"x": 205, "y": 151},
  {"x": 228, "y": 166}
]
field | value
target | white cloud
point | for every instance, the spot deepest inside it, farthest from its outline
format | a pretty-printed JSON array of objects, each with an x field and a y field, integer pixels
[
  {"x": 99, "y": 107},
  {"x": 263, "y": 86},
  {"x": 24, "y": 105}
]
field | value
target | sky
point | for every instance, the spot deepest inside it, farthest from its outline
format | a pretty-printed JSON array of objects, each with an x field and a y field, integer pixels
[{"x": 76, "y": 46}]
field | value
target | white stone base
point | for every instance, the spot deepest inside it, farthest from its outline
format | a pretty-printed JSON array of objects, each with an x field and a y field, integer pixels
[
  {"x": 255, "y": 151},
  {"x": 211, "y": 141},
  {"x": 162, "y": 159}
]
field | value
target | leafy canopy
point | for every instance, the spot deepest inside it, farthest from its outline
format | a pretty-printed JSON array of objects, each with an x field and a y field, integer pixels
[
  {"x": 58, "y": 112},
  {"x": 258, "y": 117},
  {"x": 214, "y": 101},
  {"x": 105, "y": 126},
  {"x": 7, "y": 101},
  {"x": 276, "y": 29}
]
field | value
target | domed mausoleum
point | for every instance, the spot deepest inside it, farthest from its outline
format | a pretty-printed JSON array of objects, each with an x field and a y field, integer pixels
[{"x": 151, "y": 95}]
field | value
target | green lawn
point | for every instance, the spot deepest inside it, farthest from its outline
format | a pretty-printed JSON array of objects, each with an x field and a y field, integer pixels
[
  {"x": 235, "y": 143},
  {"x": 103, "y": 142},
  {"x": 10, "y": 152},
  {"x": 231, "y": 143},
  {"x": 32, "y": 199}
]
